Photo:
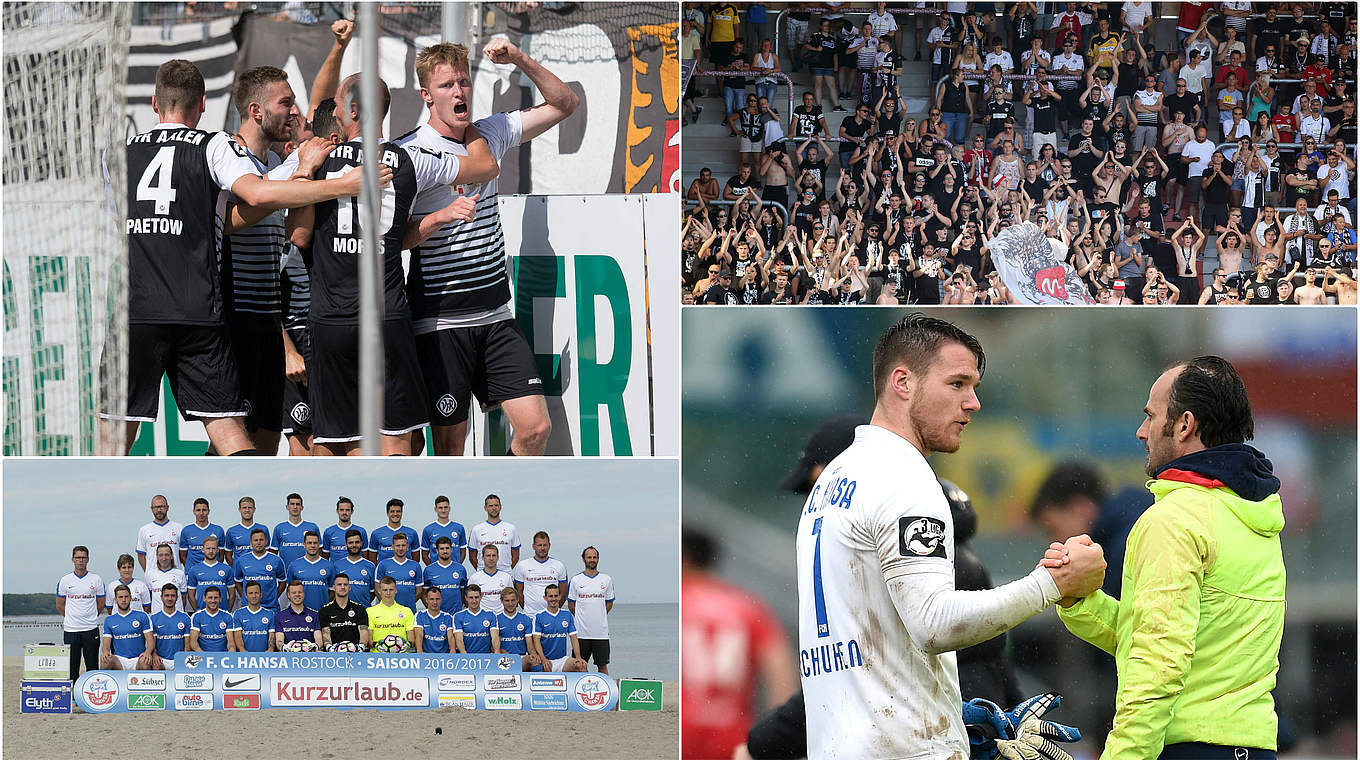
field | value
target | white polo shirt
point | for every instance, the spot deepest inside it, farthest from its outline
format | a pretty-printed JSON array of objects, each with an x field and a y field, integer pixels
[{"x": 81, "y": 593}]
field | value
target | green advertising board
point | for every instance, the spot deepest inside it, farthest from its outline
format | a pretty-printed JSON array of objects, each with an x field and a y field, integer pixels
[{"x": 637, "y": 694}]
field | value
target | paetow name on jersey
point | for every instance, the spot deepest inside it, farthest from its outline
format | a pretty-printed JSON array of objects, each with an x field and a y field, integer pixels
[{"x": 155, "y": 225}]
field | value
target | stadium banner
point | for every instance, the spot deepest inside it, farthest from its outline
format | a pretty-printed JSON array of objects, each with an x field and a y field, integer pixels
[
  {"x": 1032, "y": 270},
  {"x": 291, "y": 680},
  {"x": 581, "y": 295},
  {"x": 622, "y": 59}
]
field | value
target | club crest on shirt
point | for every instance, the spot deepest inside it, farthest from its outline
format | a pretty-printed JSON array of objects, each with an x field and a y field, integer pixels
[{"x": 920, "y": 537}]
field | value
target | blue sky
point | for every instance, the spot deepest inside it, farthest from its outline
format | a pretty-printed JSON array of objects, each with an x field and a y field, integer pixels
[{"x": 629, "y": 509}]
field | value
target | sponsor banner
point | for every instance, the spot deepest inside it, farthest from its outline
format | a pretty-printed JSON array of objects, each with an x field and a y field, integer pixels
[
  {"x": 548, "y": 683},
  {"x": 240, "y": 701},
  {"x": 327, "y": 662},
  {"x": 639, "y": 695},
  {"x": 46, "y": 697},
  {"x": 500, "y": 683},
  {"x": 240, "y": 688},
  {"x": 193, "y": 701},
  {"x": 241, "y": 682},
  {"x": 465, "y": 701},
  {"x": 193, "y": 682},
  {"x": 457, "y": 682},
  {"x": 547, "y": 701},
  {"x": 325, "y": 691},
  {"x": 503, "y": 701},
  {"x": 142, "y": 681},
  {"x": 47, "y": 662},
  {"x": 137, "y": 702}
]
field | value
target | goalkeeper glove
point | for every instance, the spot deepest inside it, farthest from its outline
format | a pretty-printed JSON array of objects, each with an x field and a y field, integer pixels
[{"x": 1020, "y": 733}]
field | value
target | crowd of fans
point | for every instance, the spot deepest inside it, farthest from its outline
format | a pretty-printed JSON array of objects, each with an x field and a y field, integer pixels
[{"x": 1140, "y": 148}]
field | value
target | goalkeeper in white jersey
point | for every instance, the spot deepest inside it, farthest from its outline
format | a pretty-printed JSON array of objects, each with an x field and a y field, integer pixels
[{"x": 878, "y": 616}]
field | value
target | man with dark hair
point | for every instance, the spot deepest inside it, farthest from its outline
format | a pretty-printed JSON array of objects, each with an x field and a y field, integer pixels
[
  {"x": 333, "y": 540},
  {"x": 380, "y": 540},
  {"x": 80, "y": 597},
  {"x": 1202, "y": 608},
  {"x": 443, "y": 527},
  {"x": 534, "y": 575},
  {"x": 879, "y": 614},
  {"x": 361, "y": 571},
  {"x": 289, "y": 534}
]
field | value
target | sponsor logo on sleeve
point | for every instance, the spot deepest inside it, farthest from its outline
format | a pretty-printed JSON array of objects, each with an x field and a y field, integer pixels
[
  {"x": 504, "y": 701},
  {"x": 146, "y": 702},
  {"x": 465, "y": 701},
  {"x": 547, "y": 683},
  {"x": 500, "y": 683},
  {"x": 920, "y": 537},
  {"x": 547, "y": 701},
  {"x": 193, "y": 682},
  {"x": 457, "y": 682},
  {"x": 592, "y": 692},
  {"x": 240, "y": 701},
  {"x": 241, "y": 682},
  {"x": 146, "y": 682},
  {"x": 100, "y": 693},
  {"x": 193, "y": 701}
]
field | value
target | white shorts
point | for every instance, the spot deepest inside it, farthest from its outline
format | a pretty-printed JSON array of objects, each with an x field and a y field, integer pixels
[
  {"x": 559, "y": 663},
  {"x": 168, "y": 663},
  {"x": 128, "y": 663}
]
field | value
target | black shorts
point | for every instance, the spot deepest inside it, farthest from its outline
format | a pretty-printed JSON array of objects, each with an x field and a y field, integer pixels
[
  {"x": 297, "y": 406},
  {"x": 333, "y": 380},
  {"x": 1179, "y": 171},
  {"x": 199, "y": 363},
  {"x": 1213, "y": 215},
  {"x": 492, "y": 362},
  {"x": 258, "y": 348},
  {"x": 597, "y": 648}
]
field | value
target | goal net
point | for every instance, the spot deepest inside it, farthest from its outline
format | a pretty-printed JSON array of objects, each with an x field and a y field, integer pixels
[{"x": 65, "y": 277}]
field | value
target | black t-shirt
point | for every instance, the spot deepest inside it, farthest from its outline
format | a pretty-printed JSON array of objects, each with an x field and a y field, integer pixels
[
  {"x": 889, "y": 124},
  {"x": 884, "y": 78},
  {"x": 999, "y": 113},
  {"x": 771, "y": 297},
  {"x": 338, "y": 236},
  {"x": 723, "y": 59},
  {"x": 738, "y": 186},
  {"x": 1036, "y": 189},
  {"x": 1083, "y": 161},
  {"x": 827, "y": 45},
  {"x": 1045, "y": 114},
  {"x": 944, "y": 199},
  {"x": 1130, "y": 74},
  {"x": 1023, "y": 24},
  {"x": 344, "y": 623},
  {"x": 1184, "y": 103},
  {"x": 1114, "y": 135},
  {"x": 1292, "y": 193},
  {"x": 1268, "y": 34},
  {"x": 854, "y": 128},
  {"x": 807, "y": 123},
  {"x": 717, "y": 294},
  {"x": 752, "y": 125},
  {"x": 1216, "y": 193},
  {"x": 1263, "y": 293},
  {"x": 1102, "y": 211},
  {"x": 816, "y": 168},
  {"x": 1152, "y": 187},
  {"x": 954, "y": 98}
]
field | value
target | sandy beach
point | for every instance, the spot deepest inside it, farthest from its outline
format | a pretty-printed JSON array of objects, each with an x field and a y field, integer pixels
[{"x": 370, "y": 733}]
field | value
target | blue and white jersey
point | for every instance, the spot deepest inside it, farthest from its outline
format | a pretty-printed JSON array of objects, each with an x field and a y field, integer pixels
[
  {"x": 380, "y": 541},
  {"x": 437, "y": 629},
  {"x": 554, "y": 633},
  {"x": 434, "y": 531},
  {"x": 316, "y": 580},
  {"x": 153, "y": 534},
  {"x": 128, "y": 632},
  {"x": 504, "y": 535},
  {"x": 536, "y": 576},
  {"x": 83, "y": 595},
  {"x": 288, "y": 537},
  {"x": 476, "y": 630},
  {"x": 141, "y": 594},
  {"x": 268, "y": 570},
  {"x": 362, "y": 575},
  {"x": 333, "y": 540},
  {"x": 171, "y": 632},
  {"x": 191, "y": 539},
  {"x": 157, "y": 580},
  {"x": 515, "y": 632},
  {"x": 407, "y": 574},
  {"x": 591, "y": 593},
  {"x": 212, "y": 629},
  {"x": 205, "y": 575},
  {"x": 491, "y": 585},
  {"x": 238, "y": 539},
  {"x": 255, "y": 627},
  {"x": 451, "y": 579}
]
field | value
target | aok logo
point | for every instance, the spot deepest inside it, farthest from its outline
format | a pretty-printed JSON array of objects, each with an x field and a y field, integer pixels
[
  {"x": 641, "y": 696},
  {"x": 146, "y": 702}
]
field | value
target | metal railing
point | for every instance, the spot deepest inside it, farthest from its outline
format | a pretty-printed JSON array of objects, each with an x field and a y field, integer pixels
[
  {"x": 776, "y": 205},
  {"x": 750, "y": 75}
]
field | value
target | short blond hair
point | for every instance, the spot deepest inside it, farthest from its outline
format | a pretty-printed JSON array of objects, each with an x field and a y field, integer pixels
[{"x": 434, "y": 55}]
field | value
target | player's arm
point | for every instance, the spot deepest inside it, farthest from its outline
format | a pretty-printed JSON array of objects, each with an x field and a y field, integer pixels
[
  {"x": 366, "y": 637},
  {"x": 327, "y": 80},
  {"x": 1169, "y": 551},
  {"x": 495, "y": 639},
  {"x": 61, "y": 605},
  {"x": 462, "y": 209},
  {"x": 576, "y": 652},
  {"x": 571, "y": 607},
  {"x": 514, "y": 556},
  {"x": 451, "y": 635},
  {"x": 458, "y": 647},
  {"x": 560, "y": 101},
  {"x": 235, "y": 640},
  {"x": 193, "y": 641},
  {"x": 316, "y": 637},
  {"x": 277, "y": 637},
  {"x": 418, "y": 639}
]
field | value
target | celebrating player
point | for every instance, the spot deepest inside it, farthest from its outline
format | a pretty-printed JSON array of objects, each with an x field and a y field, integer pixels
[
  {"x": 474, "y": 629},
  {"x": 468, "y": 341},
  {"x": 175, "y": 311},
  {"x": 170, "y": 627},
  {"x": 1209, "y": 543},
  {"x": 554, "y": 636},
  {"x": 334, "y": 275},
  {"x": 252, "y": 626},
  {"x": 127, "y": 640},
  {"x": 878, "y": 614}
]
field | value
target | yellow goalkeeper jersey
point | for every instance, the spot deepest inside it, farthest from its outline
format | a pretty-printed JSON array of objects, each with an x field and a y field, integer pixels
[{"x": 384, "y": 621}]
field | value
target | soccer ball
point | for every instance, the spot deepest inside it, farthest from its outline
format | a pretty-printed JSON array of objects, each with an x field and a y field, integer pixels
[
  {"x": 391, "y": 643},
  {"x": 343, "y": 646},
  {"x": 300, "y": 645}
]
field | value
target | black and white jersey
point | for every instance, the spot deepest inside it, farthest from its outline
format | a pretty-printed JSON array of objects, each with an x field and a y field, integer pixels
[
  {"x": 337, "y": 236},
  {"x": 460, "y": 276},
  {"x": 174, "y": 177},
  {"x": 296, "y": 292},
  {"x": 251, "y": 257}
]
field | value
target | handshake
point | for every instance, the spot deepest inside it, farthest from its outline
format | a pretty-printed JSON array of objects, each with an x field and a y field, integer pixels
[{"x": 1077, "y": 567}]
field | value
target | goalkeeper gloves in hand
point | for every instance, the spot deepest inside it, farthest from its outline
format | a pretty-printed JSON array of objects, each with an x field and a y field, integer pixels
[{"x": 1020, "y": 733}]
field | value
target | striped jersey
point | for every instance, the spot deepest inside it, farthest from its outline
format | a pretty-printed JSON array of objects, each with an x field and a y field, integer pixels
[
  {"x": 250, "y": 257},
  {"x": 459, "y": 276},
  {"x": 295, "y": 288}
]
